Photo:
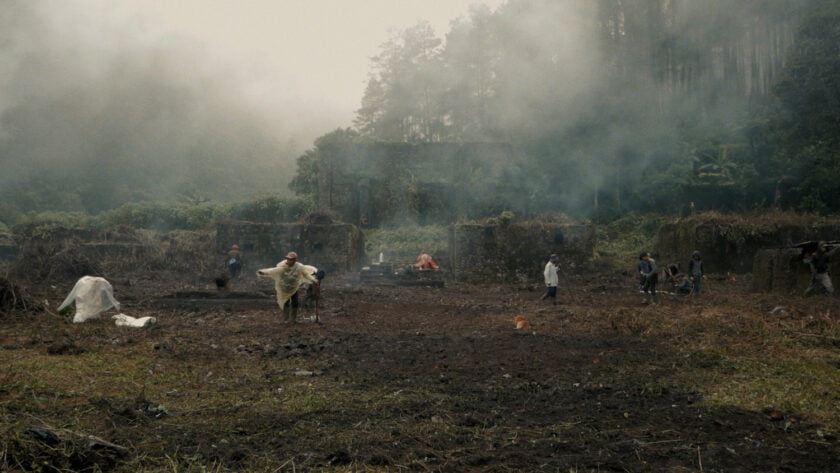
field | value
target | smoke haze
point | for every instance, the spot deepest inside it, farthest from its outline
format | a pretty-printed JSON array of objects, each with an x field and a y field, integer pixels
[
  {"x": 158, "y": 98},
  {"x": 164, "y": 97}
]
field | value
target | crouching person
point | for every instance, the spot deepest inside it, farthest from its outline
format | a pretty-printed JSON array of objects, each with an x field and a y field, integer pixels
[{"x": 288, "y": 276}]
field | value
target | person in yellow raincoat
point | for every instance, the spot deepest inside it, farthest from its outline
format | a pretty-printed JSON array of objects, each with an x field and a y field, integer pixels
[{"x": 288, "y": 276}]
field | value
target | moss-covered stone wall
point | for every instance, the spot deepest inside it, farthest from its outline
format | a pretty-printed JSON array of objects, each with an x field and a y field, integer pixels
[
  {"x": 333, "y": 247},
  {"x": 60, "y": 254},
  {"x": 783, "y": 270},
  {"x": 730, "y": 243},
  {"x": 517, "y": 252}
]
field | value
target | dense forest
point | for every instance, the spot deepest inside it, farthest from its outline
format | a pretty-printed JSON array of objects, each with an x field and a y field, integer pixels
[
  {"x": 596, "y": 108},
  {"x": 587, "y": 108}
]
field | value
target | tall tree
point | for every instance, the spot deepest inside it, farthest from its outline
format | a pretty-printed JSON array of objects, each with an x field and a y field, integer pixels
[
  {"x": 810, "y": 119},
  {"x": 402, "y": 100}
]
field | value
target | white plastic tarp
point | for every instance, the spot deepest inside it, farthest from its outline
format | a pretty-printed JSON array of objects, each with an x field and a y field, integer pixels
[
  {"x": 92, "y": 296},
  {"x": 122, "y": 320}
]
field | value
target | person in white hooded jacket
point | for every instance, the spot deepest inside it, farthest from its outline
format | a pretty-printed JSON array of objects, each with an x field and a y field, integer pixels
[
  {"x": 288, "y": 276},
  {"x": 552, "y": 278}
]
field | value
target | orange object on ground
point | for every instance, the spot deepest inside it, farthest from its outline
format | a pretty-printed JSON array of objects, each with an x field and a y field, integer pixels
[{"x": 521, "y": 323}]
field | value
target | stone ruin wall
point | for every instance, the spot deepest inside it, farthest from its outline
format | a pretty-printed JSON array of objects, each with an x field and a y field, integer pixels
[
  {"x": 782, "y": 270},
  {"x": 60, "y": 253},
  {"x": 731, "y": 246},
  {"x": 335, "y": 248},
  {"x": 517, "y": 252}
]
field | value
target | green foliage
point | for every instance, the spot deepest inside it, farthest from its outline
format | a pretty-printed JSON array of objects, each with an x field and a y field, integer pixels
[
  {"x": 56, "y": 219},
  {"x": 397, "y": 105},
  {"x": 162, "y": 216},
  {"x": 672, "y": 105},
  {"x": 403, "y": 244},
  {"x": 655, "y": 129},
  {"x": 626, "y": 237},
  {"x": 326, "y": 172},
  {"x": 175, "y": 216},
  {"x": 504, "y": 218},
  {"x": 805, "y": 128},
  {"x": 272, "y": 208}
]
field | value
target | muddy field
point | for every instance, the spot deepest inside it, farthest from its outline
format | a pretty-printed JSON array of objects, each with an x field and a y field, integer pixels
[{"x": 425, "y": 379}]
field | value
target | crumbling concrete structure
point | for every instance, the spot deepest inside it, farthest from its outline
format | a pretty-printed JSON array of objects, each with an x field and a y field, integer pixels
[
  {"x": 334, "y": 247},
  {"x": 517, "y": 252},
  {"x": 730, "y": 243},
  {"x": 784, "y": 270},
  {"x": 60, "y": 253}
]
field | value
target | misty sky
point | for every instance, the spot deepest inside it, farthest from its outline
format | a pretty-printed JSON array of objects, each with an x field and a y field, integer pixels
[{"x": 309, "y": 54}]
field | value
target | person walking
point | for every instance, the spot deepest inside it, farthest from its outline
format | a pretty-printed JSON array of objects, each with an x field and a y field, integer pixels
[
  {"x": 552, "y": 278},
  {"x": 819, "y": 270},
  {"x": 695, "y": 271},
  {"x": 288, "y": 276},
  {"x": 649, "y": 277}
]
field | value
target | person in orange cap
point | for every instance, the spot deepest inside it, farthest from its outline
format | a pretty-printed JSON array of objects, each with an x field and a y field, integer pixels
[
  {"x": 288, "y": 276},
  {"x": 234, "y": 261}
]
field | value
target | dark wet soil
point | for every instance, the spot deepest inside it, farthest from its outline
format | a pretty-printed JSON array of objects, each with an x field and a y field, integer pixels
[{"x": 585, "y": 390}]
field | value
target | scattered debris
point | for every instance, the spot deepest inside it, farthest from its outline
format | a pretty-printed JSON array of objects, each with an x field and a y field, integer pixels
[
  {"x": 308, "y": 373},
  {"x": 44, "y": 449},
  {"x": 12, "y": 299},
  {"x": 385, "y": 274}
]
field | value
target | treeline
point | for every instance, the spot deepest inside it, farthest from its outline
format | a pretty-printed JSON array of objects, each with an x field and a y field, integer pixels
[
  {"x": 165, "y": 216},
  {"x": 591, "y": 108},
  {"x": 596, "y": 108}
]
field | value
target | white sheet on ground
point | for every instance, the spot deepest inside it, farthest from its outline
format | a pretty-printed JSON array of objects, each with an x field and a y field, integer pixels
[
  {"x": 92, "y": 296},
  {"x": 123, "y": 320}
]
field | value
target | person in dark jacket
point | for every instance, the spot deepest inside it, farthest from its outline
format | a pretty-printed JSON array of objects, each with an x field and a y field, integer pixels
[
  {"x": 649, "y": 276},
  {"x": 819, "y": 270},
  {"x": 695, "y": 270}
]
